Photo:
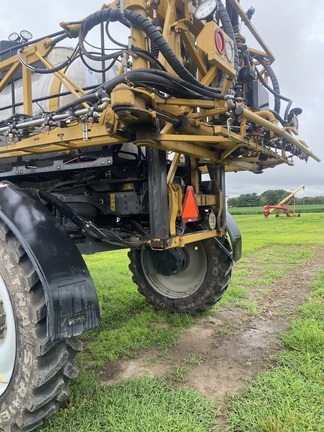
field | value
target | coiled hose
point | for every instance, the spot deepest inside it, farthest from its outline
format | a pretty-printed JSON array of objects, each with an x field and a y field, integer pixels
[
  {"x": 274, "y": 80},
  {"x": 229, "y": 30},
  {"x": 141, "y": 22}
]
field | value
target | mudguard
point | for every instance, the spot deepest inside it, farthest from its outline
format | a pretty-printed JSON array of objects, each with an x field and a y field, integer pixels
[
  {"x": 71, "y": 299},
  {"x": 235, "y": 236}
]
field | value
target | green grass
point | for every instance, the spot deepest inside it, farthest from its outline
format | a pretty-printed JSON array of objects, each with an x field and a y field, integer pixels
[
  {"x": 289, "y": 398},
  {"x": 271, "y": 249},
  {"x": 144, "y": 405},
  {"x": 127, "y": 323},
  {"x": 260, "y": 234},
  {"x": 302, "y": 208}
]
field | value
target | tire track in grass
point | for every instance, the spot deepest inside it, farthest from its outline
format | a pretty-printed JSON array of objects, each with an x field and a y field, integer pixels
[{"x": 226, "y": 349}]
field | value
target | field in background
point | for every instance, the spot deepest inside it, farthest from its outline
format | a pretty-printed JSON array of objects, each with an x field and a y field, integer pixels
[
  {"x": 305, "y": 208},
  {"x": 272, "y": 248}
]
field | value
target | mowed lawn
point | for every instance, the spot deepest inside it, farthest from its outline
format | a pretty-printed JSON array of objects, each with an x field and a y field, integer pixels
[{"x": 287, "y": 397}]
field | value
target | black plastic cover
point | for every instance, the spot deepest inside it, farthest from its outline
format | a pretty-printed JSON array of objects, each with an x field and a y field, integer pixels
[
  {"x": 235, "y": 236},
  {"x": 257, "y": 96},
  {"x": 71, "y": 299}
]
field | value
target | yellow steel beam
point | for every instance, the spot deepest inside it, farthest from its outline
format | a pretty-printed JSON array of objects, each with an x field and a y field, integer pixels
[
  {"x": 9, "y": 75},
  {"x": 249, "y": 115},
  {"x": 71, "y": 86},
  {"x": 27, "y": 91},
  {"x": 188, "y": 40},
  {"x": 181, "y": 241},
  {"x": 179, "y": 147},
  {"x": 238, "y": 8}
]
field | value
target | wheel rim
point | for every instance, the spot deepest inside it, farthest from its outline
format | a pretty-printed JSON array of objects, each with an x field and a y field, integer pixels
[
  {"x": 7, "y": 338},
  {"x": 184, "y": 283}
]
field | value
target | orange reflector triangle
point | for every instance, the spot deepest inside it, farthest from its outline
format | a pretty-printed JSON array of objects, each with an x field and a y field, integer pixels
[{"x": 190, "y": 211}]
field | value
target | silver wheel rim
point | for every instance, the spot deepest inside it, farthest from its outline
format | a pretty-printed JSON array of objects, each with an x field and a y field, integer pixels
[
  {"x": 7, "y": 339},
  {"x": 185, "y": 283}
]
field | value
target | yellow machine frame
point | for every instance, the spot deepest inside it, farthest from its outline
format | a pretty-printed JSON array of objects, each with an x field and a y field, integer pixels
[{"x": 206, "y": 143}]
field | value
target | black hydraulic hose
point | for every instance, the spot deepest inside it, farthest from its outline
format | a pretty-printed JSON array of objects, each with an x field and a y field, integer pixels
[
  {"x": 154, "y": 34},
  {"x": 86, "y": 226},
  {"x": 65, "y": 209},
  {"x": 279, "y": 96},
  {"x": 150, "y": 57},
  {"x": 274, "y": 80},
  {"x": 155, "y": 78},
  {"x": 233, "y": 15},
  {"x": 88, "y": 97},
  {"x": 228, "y": 29},
  {"x": 57, "y": 68},
  {"x": 111, "y": 64},
  {"x": 279, "y": 118},
  {"x": 114, "y": 41}
]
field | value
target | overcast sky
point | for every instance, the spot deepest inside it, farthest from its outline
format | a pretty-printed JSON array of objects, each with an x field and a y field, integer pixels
[{"x": 294, "y": 32}]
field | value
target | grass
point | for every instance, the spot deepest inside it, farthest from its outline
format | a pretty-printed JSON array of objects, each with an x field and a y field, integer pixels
[
  {"x": 261, "y": 234},
  {"x": 144, "y": 405},
  {"x": 300, "y": 208},
  {"x": 128, "y": 323},
  {"x": 271, "y": 249},
  {"x": 289, "y": 397}
]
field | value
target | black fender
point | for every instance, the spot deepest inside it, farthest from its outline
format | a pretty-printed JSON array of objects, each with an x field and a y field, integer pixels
[
  {"x": 235, "y": 236},
  {"x": 71, "y": 299}
]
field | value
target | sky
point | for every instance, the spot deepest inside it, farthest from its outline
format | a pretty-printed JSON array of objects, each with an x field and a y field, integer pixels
[{"x": 294, "y": 32}]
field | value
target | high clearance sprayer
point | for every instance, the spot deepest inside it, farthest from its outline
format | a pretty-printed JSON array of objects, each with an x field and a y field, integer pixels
[{"x": 123, "y": 148}]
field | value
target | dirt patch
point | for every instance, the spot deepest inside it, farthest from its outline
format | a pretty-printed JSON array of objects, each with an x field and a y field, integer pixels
[{"x": 221, "y": 353}]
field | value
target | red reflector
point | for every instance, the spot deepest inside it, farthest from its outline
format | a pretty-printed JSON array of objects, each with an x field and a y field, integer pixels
[
  {"x": 220, "y": 41},
  {"x": 190, "y": 211}
]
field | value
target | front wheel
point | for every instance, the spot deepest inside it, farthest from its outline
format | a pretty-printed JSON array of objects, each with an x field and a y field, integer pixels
[
  {"x": 196, "y": 285},
  {"x": 34, "y": 373}
]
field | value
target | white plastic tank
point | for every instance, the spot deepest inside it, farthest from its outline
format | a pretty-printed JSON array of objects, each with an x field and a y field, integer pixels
[{"x": 42, "y": 83}]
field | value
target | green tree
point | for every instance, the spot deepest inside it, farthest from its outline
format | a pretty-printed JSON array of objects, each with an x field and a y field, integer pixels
[
  {"x": 232, "y": 202},
  {"x": 273, "y": 196}
]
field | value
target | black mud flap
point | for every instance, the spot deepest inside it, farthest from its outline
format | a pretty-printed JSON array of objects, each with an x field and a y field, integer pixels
[
  {"x": 72, "y": 303},
  {"x": 235, "y": 236}
]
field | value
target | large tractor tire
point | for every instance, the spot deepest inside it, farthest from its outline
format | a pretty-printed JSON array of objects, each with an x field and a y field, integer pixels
[
  {"x": 34, "y": 372},
  {"x": 195, "y": 288}
]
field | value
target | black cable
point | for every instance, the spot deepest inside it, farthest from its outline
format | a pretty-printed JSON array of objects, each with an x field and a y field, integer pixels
[
  {"x": 153, "y": 33},
  {"x": 274, "y": 80},
  {"x": 160, "y": 80},
  {"x": 276, "y": 95},
  {"x": 233, "y": 16},
  {"x": 88, "y": 97},
  {"x": 229, "y": 30},
  {"x": 112, "y": 39},
  {"x": 64, "y": 209},
  {"x": 147, "y": 55},
  {"x": 98, "y": 47},
  {"x": 50, "y": 70},
  {"x": 111, "y": 64},
  {"x": 86, "y": 226}
]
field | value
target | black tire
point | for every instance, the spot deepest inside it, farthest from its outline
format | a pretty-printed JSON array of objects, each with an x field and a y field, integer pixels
[
  {"x": 197, "y": 288},
  {"x": 40, "y": 371}
]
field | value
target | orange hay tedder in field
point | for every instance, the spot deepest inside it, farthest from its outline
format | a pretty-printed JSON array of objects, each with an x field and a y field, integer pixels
[{"x": 281, "y": 209}]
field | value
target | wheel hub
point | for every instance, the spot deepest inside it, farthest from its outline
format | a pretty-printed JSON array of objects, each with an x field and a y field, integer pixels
[
  {"x": 2, "y": 320},
  {"x": 168, "y": 262},
  {"x": 177, "y": 274}
]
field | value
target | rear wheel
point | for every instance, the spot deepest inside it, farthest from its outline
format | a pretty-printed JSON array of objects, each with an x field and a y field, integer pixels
[
  {"x": 196, "y": 285},
  {"x": 34, "y": 373}
]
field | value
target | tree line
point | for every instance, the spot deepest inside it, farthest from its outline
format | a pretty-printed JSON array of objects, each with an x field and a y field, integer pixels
[{"x": 271, "y": 197}]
